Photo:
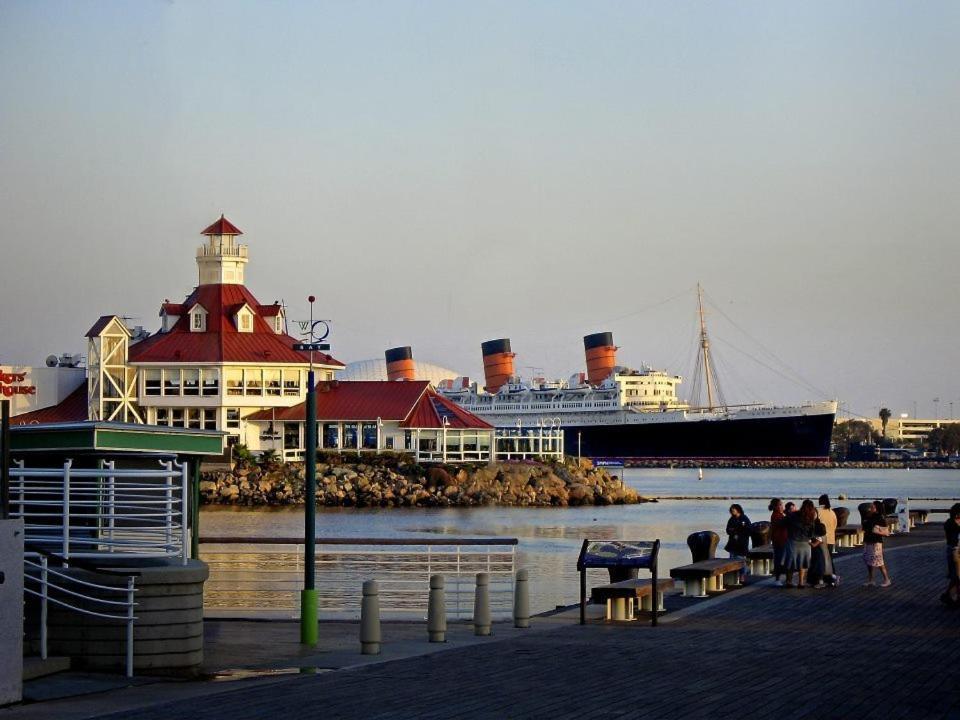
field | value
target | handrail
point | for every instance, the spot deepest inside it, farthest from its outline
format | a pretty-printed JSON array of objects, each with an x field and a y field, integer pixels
[
  {"x": 46, "y": 585},
  {"x": 238, "y": 540},
  {"x": 30, "y": 547}
]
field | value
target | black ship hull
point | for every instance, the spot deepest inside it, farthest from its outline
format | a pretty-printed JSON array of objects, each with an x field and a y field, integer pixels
[{"x": 793, "y": 437}]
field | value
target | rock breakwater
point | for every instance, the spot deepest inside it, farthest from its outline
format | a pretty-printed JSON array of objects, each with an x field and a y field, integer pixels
[{"x": 395, "y": 481}]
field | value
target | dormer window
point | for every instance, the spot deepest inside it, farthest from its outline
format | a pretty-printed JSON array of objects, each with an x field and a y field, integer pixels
[
  {"x": 244, "y": 319},
  {"x": 198, "y": 319},
  {"x": 278, "y": 324}
]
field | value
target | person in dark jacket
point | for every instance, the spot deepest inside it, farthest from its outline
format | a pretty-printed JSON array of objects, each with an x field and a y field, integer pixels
[
  {"x": 738, "y": 537},
  {"x": 874, "y": 531},
  {"x": 778, "y": 538},
  {"x": 801, "y": 531}
]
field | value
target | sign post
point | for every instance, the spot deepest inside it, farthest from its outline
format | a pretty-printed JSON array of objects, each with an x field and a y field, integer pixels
[{"x": 309, "y": 629}]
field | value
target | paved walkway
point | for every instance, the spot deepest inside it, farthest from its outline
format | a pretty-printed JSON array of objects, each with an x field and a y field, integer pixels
[{"x": 760, "y": 652}]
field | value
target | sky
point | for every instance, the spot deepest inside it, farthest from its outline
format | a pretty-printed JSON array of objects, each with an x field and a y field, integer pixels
[{"x": 443, "y": 173}]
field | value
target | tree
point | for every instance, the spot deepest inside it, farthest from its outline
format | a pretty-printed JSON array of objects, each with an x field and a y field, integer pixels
[
  {"x": 944, "y": 440},
  {"x": 852, "y": 431},
  {"x": 884, "y": 418}
]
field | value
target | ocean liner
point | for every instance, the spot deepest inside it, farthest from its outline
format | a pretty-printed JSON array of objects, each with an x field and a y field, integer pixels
[{"x": 616, "y": 413}]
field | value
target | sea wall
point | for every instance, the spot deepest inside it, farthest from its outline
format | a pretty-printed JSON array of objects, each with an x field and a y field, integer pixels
[{"x": 394, "y": 481}]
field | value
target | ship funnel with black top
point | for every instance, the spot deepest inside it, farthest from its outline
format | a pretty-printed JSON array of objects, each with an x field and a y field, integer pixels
[
  {"x": 601, "y": 356},
  {"x": 497, "y": 363},
  {"x": 400, "y": 364}
]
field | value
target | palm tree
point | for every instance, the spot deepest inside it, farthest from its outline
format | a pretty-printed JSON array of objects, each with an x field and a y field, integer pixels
[{"x": 884, "y": 417}]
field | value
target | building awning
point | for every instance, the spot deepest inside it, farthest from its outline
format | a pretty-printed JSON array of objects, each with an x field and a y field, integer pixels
[{"x": 93, "y": 436}]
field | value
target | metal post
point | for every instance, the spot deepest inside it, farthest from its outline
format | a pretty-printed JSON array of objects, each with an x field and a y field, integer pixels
[
  {"x": 308, "y": 596},
  {"x": 111, "y": 503},
  {"x": 195, "y": 513},
  {"x": 130, "y": 618},
  {"x": 66, "y": 510},
  {"x": 5, "y": 462},
  {"x": 168, "y": 506},
  {"x": 43, "y": 607},
  {"x": 184, "y": 512},
  {"x": 436, "y": 611}
]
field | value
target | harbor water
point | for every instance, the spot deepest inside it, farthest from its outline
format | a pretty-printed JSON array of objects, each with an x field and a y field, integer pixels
[{"x": 550, "y": 538}]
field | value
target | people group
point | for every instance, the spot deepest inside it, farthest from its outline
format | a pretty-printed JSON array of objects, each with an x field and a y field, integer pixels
[{"x": 803, "y": 540}]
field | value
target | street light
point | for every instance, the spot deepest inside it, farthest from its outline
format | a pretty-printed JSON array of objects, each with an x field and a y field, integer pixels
[{"x": 308, "y": 596}]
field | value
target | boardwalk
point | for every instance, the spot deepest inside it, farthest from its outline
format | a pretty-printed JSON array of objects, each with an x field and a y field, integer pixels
[{"x": 761, "y": 652}]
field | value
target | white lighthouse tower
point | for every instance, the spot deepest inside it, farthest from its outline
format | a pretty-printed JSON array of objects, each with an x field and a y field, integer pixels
[{"x": 222, "y": 259}]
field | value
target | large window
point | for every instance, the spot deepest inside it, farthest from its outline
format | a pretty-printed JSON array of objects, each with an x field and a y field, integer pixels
[
  {"x": 331, "y": 435},
  {"x": 197, "y": 418},
  {"x": 211, "y": 382},
  {"x": 291, "y": 436},
  {"x": 349, "y": 435},
  {"x": 369, "y": 436},
  {"x": 152, "y": 378},
  {"x": 253, "y": 381},
  {"x": 233, "y": 418},
  {"x": 271, "y": 381},
  {"x": 171, "y": 382},
  {"x": 234, "y": 381},
  {"x": 191, "y": 381},
  {"x": 291, "y": 382}
]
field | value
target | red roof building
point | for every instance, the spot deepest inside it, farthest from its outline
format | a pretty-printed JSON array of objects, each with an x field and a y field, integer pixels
[
  {"x": 219, "y": 356},
  {"x": 377, "y": 415}
]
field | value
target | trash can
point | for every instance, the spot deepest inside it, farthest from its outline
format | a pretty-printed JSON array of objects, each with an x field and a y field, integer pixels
[{"x": 703, "y": 545}]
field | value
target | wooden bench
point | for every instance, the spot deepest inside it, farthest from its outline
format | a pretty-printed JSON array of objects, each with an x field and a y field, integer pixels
[
  {"x": 625, "y": 598},
  {"x": 849, "y": 536},
  {"x": 918, "y": 517},
  {"x": 705, "y": 576},
  {"x": 759, "y": 559}
]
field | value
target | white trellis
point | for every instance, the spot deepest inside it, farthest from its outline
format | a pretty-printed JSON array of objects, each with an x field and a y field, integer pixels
[{"x": 112, "y": 382}]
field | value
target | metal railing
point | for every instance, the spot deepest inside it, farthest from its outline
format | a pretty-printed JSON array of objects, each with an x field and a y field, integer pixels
[
  {"x": 252, "y": 577},
  {"x": 103, "y": 512},
  {"x": 52, "y": 585}
]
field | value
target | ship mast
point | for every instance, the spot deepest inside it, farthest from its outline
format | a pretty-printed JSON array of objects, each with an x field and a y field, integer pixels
[{"x": 705, "y": 350}]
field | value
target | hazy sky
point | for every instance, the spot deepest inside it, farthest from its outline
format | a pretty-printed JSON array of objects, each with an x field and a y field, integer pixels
[{"x": 444, "y": 173}]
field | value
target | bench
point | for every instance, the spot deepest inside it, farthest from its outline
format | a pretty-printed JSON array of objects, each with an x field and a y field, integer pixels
[
  {"x": 705, "y": 576},
  {"x": 918, "y": 517},
  {"x": 622, "y": 559},
  {"x": 759, "y": 559},
  {"x": 849, "y": 536},
  {"x": 625, "y": 598}
]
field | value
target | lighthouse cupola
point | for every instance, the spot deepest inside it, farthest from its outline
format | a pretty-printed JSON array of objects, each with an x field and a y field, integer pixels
[{"x": 222, "y": 259}]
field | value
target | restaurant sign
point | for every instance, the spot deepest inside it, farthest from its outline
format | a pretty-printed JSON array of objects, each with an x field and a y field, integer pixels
[{"x": 12, "y": 384}]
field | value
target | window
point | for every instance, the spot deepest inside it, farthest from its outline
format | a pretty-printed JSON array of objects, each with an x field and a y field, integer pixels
[
  {"x": 244, "y": 320},
  {"x": 278, "y": 324},
  {"x": 369, "y": 436},
  {"x": 151, "y": 381},
  {"x": 193, "y": 418},
  {"x": 331, "y": 435},
  {"x": 191, "y": 381},
  {"x": 163, "y": 416},
  {"x": 350, "y": 435},
  {"x": 233, "y": 418},
  {"x": 253, "y": 382},
  {"x": 171, "y": 382},
  {"x": 209, "y": 416},
  {"x": 388, "y": 442},
  {"x": 291, "y": 436},
  {"x": 271, "y": 381},
  {"x": 176, "y": 417},
  {"x": 234, "y": 380},
  {"x": 291, "y": 382},
  {"x": 211, "y": 382}
]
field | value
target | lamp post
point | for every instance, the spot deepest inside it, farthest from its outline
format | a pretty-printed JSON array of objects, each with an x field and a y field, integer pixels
[{"x": 308, "y": 596}]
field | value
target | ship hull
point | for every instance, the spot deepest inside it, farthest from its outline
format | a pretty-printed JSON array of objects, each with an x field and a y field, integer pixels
[{"x": 790, "y": 437}]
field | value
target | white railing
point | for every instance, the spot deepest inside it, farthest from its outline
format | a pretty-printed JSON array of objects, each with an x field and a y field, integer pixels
[
  {"x": 528, "y": 443},
  {"x": 103, "y": 512},
  {"x": 262, "y": 577},
  {"x": 51, "y": 585}
]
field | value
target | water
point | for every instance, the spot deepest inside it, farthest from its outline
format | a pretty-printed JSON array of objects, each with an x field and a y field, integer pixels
[{"x": 550, "y": 538}]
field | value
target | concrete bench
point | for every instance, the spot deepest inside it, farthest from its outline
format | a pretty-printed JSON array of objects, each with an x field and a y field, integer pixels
[
  {"x": 626, "y": 597},
  {"x": 705, "y": 576},
  {"x": 759, "y": 559},
  {"x": 918, "y": 517},
  {"x": 849, "y": 536}
]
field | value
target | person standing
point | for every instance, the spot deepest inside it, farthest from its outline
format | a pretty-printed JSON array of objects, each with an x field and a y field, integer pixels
[
  {"x": 828, "y": 517},
  {"x": 801, "y": 531},
  {"x": 951, "y": 531},
  {"x": 874, "y": 531},
  {"x": 778, "y": 538},
  {"x": 738, "y": 537}
]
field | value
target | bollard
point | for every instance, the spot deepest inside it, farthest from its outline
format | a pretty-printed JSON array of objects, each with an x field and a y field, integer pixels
[
  {"x": 521, "y": 600},
  {"x": 481, "y": 606},
  {"x": 370, "y": 619},
  {"x": 437, "y": 611}
]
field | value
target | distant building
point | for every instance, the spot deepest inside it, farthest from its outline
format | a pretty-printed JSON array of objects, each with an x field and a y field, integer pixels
[{"x": 908, "y": 431}]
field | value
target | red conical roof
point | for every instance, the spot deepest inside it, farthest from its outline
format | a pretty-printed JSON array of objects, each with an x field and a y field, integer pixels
[{"x": 222, "y": 227}]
